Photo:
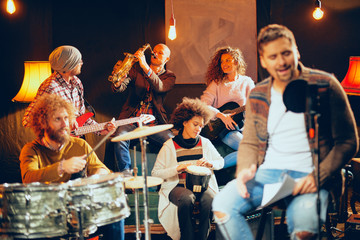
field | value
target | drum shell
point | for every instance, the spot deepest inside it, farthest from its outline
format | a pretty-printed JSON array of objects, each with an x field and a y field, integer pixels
[
  {"x": 99, "y": 200},
  {"x": 193, "y": 181},
  {"x": 35, "y": 210}
]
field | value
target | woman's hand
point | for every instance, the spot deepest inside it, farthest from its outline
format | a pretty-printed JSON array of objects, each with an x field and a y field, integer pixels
[
  {"x": 202, "y": 162},
  {"x": 227, "y": 120},
  {"x": 182, "y": 167}
]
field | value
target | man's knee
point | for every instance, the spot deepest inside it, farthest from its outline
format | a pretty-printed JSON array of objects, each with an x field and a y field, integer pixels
[
  {"x": 221, "y": 217},
  {"x": 304, "y": 235}
]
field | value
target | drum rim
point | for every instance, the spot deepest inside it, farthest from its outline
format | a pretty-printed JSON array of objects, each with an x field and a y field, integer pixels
[
  {"x": 109, "y": 179},
  {"x": 198, "y": 174},
  {"x": 31, "y": 187}
]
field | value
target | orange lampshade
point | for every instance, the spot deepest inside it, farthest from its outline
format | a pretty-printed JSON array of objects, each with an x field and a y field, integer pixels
[
  {"x": 35, "y": 73},
  {"x": 351, "y": 82}
]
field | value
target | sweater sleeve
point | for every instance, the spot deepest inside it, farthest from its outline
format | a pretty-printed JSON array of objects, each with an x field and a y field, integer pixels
[
  {"x": 166, "y": 164},
  {"x": 212, "y": 155},
  {"x": 31, "y": 170},
  {"x": 249, "y": 147}
]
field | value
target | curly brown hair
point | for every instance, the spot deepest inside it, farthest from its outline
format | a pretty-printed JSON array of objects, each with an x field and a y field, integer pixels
[
  {"x": 189, "y": 108},
  {"x": 45, "y": 106},
  {"x": 214, "y": 71}
]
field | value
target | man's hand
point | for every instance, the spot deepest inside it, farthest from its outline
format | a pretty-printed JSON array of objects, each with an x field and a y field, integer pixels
[
  {"x": 74, "y": 164},
  {"x": 242, "y": 178},
  {"x": 139, "y": 54},
  {"x": 227, "y": 120},
  {"x": 118, "y": 83},
  {"x": 108, "y": 127},
  {"x": 305, "y": 185}
]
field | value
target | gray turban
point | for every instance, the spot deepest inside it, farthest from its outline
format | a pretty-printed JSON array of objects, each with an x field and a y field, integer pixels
[{"x": 64, "y": 58}]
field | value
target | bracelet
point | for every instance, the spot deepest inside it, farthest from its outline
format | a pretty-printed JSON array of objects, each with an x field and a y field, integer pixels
[
  {"x": 61, "y": 169},
  {"x": 149, "y": 72}
]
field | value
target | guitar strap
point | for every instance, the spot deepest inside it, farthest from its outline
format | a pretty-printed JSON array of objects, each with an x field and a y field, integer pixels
[
  {"x": 87, "y": 104},
  {"x": 89, "y": 107}
]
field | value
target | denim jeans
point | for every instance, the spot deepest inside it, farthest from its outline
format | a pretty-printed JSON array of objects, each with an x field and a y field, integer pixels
[
  {"x": 113, "y": 231},
  {"x": 230, "y": 159},
  {"x": 121, "y": 149},
  {"x": 301, "y": 210},
  {"x": 232, "y": 138}
]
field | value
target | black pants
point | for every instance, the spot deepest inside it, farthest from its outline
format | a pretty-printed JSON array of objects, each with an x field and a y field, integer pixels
[{"x": 184, "y": 199}]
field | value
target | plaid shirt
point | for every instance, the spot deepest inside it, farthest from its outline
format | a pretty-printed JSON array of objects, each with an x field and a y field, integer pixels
[{"x": 73, "y": 92}]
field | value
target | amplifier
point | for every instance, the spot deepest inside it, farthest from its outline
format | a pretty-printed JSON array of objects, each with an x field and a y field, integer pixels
[{"x": 254, "y": 221}]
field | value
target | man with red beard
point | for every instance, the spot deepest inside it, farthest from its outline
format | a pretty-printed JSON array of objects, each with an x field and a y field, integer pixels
[{"x": 54, "y": 155}]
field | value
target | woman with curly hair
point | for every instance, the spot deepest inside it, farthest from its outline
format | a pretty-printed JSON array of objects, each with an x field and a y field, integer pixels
[
  {"x": 176, "y": 202},
  {"x": 226, "y": 83}
]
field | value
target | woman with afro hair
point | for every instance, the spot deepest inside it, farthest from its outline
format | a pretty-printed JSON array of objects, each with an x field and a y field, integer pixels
[{"x": 176, "y": 202}]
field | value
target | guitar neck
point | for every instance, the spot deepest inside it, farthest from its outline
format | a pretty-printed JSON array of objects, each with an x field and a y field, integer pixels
[
  {"x": 238, "y": 109},
  {"x": 101, "y": 126}
]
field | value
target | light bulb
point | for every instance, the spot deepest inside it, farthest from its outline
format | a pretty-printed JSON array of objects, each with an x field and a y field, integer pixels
[
  {"x": 10, "y": 6},
  {"x": 318, "y": 13},
  {"x": 172, "y": 29},
  {"x": 172, "y": 32}
]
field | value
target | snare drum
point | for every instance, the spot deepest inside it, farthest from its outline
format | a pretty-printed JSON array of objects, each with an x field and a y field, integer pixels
[
  {"x": 35, "y": 210},
  {"x": 96, "y": 201},
  {"x": 197, "y": 178}
]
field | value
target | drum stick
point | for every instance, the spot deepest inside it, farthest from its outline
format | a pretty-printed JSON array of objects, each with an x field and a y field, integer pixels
[
  {"x": 83, "y": 172},
  {"x": 101, "y": 142}
]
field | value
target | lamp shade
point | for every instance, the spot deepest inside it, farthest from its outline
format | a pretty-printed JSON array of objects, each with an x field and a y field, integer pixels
[
  {"x": 351, "y": 82},
  {"x": 35, "y": 73}
]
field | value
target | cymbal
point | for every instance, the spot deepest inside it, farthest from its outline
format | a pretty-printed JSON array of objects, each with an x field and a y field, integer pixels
[
  {"x": 138, "y": 182},
  {"x": 142, "y": 132}
]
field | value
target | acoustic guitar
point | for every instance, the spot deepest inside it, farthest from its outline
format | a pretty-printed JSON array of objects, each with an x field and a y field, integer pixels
[{"x": 214, "y": 127}]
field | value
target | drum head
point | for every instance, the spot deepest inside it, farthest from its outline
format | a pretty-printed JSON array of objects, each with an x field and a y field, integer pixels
[
  {"x": 94, "y": 180},
  {"x": 198, "y": 170}
]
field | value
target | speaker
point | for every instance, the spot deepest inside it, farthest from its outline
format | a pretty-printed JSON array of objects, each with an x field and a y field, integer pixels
[{"x": 254, "y": 220}]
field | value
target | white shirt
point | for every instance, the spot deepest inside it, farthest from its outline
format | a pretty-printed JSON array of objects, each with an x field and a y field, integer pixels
[{"x": 288, "y": 146}]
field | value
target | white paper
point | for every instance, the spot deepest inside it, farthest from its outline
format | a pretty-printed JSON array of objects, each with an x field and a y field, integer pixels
[{"x": 276, "y": 191}]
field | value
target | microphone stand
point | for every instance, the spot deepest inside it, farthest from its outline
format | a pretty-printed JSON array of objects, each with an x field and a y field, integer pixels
[{"x": 313, "y": 117}]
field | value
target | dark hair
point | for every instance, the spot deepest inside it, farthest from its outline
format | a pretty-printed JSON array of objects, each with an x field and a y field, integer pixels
[
  {"x": 214, "y": 71},
  {"x": 273, "y": 32},
  {"x": 44, "y": 107},
  {"x": 188, "y": 109}
]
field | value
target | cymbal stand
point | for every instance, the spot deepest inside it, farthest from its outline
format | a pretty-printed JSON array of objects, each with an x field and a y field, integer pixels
[
  {"x": 147, "y": 220},
  {"x": 80, "y": 215},
  {"x": 138, "y": 232}
]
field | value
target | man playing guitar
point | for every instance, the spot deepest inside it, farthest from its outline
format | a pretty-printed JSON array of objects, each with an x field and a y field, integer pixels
[{"x": 66, "y": 61}]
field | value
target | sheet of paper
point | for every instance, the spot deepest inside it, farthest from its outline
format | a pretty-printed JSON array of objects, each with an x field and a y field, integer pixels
[{"x": 276, "y": 191}]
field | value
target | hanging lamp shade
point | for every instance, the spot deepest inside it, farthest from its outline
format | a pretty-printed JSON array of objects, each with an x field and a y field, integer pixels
[
  {"x": 35, "y": 73},
  {"x": 351, "y": 82}
]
